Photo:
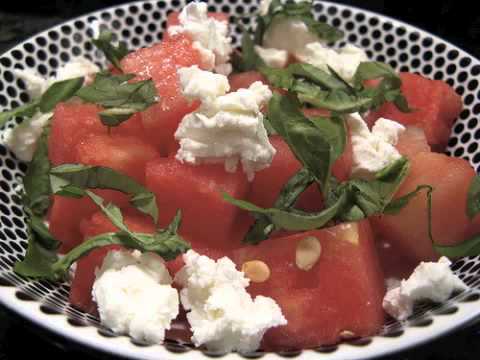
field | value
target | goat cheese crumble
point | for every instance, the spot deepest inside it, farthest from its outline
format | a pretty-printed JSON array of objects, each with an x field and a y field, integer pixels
[
  {"x": 372, "y": 150},
  {"x": 227, "y": 128},
  {"x": 221, "y": 313},
  {"x": 344, "y": 61},
  {"x": 210, "y": 36},
  {"x": 272, "y": 57},
  {"x": 429, "y": 281},
  {"x": 134, "y": 295}
]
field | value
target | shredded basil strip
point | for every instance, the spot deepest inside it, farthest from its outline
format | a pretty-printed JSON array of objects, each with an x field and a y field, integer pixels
[
  {"x": 120, "y": 97},
  {"x": 114, "y": 54},
  {"x": 57, "y": 92},
  {"x": 262, "y": 227},
  {"x": 36, "y": 182},
  {"x": 66, "y": 179}
]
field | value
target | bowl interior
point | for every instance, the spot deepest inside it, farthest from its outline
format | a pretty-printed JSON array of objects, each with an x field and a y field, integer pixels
[{"x": 141, "y": 24}]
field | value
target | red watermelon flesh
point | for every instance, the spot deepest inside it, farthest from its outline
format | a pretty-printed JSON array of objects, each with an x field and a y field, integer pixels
[
  {"x": 82, "y": 283},
  {"x": 66, "y": 214},
  {"x": 245, "y": 79},
  {"x": 268, "y": 182},
  {"x": 197, "y": 190},
  {"x": 160, "y": 63},
  {"x": 125, "y": 154},
  {"x": 73, "y": 122},
  {"x": 412, "y": 141},
  {"x": 450, "y": 177},
  {"x": 342, "y": 292},
  {"x": 436, "y": 106}
]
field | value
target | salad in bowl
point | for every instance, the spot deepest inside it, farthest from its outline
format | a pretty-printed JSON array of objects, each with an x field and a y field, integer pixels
[{"x": 286, "y": 195}]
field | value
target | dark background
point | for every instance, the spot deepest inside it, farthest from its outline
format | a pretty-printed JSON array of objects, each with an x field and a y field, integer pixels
[{"x": 456, "y": 21}]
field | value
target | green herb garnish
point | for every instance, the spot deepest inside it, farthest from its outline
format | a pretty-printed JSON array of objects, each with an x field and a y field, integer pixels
[
  {"x": 73, "y": 179},
  {"x": 120, "y": 98},
  {"x": 114, "y": 54}
]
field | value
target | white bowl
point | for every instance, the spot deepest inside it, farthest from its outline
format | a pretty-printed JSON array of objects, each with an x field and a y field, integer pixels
[{"x": 141, "y": 24}]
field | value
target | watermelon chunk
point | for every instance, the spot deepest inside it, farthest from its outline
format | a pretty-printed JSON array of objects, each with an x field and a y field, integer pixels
[
  {"x": 160, "y": 63},
  {"x": 436, "y": 106},
  {"x": 73, "y": 122},
  {"x": 412, "y": 141},
  {"x": 408, "y": 230},
  {"x": 268, "y": 182},
  {"x": 343, "y": 291},
  {"x": 245, "y": 79},
  {"x": 66, "y": 214},
  {"x": 125, "y": 154},
  {"x": 197, "y": 190}
]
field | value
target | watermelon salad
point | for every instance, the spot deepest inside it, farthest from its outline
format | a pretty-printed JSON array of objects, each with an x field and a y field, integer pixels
[{"x": 284, "y": 195}]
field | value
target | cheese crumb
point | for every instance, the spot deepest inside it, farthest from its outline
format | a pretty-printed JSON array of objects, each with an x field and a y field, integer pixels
[
  {"x": 210, "y": 36},
  {"x": 134, "y": 295},
  {"x": 344, "y": 61},
  {"x": 222, "y": 315},
  {"x": 227, "y": 128},
  {"x": 373, "y": 151},
  {"x": 272, "y": 57},
  {"x": 429, "y": 281}
]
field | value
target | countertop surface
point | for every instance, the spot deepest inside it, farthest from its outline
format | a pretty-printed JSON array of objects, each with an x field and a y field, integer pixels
[{"x": 453, "y": 20}]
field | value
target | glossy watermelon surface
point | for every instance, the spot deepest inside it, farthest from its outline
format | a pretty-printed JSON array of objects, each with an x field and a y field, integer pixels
[
  {"x": 342, "y": 291},
  {"x": 435, "y": 106}
]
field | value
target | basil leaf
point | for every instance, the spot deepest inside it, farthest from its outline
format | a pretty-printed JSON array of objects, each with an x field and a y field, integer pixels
[
  {"x": 334, "y": 130},
  {"x": 113, "y": 53},
  {"x": 26, "y": 110},
  {"x": 389, "y": 88},
  {"x": 281, "y": 78},
  {"x": 292, "y": 219},
  {"x": 336, "y": 100},
  {"x": 372, "y": 197},
  {"x": 319, "y": 77},
  {"x": 473, "y": 198},
  {"x": 165, "y": 243},
  {"x": 58, "y": 92},
  {"x": 41, "y": 252},
  {"x": 36, "y": 182},
  {"x": 470, "y": 247},
  {"x": 262, "y": 227},
  {"x": 120, "y": 98},
  {"x": 249, "y": 59},
  {"x": 307, "y": 142},
  {"x": 99, "y": 177}
]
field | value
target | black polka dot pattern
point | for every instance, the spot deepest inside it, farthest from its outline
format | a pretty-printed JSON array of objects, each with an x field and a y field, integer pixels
[{"x": 141, "y": 24}]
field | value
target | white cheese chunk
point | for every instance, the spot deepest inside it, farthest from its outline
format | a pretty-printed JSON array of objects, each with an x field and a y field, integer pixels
[
  {"x": 344, "y": 61},
  {"x": 134, "y": 295},
  {"x": 272, "y": 57},
  {"x": 76, "y": 67},
  {"x": 203, "y": 85},
  {"x": 222, "y": 315},
  {"x": 22, "y": 139},
  {"x": 210, "y": 36},
  {"x": 227, "y": 128},
  {"x": 372, "y": 151},
  {"x": 430, "y": 281},
  {"x": 35, "y": 84}
]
